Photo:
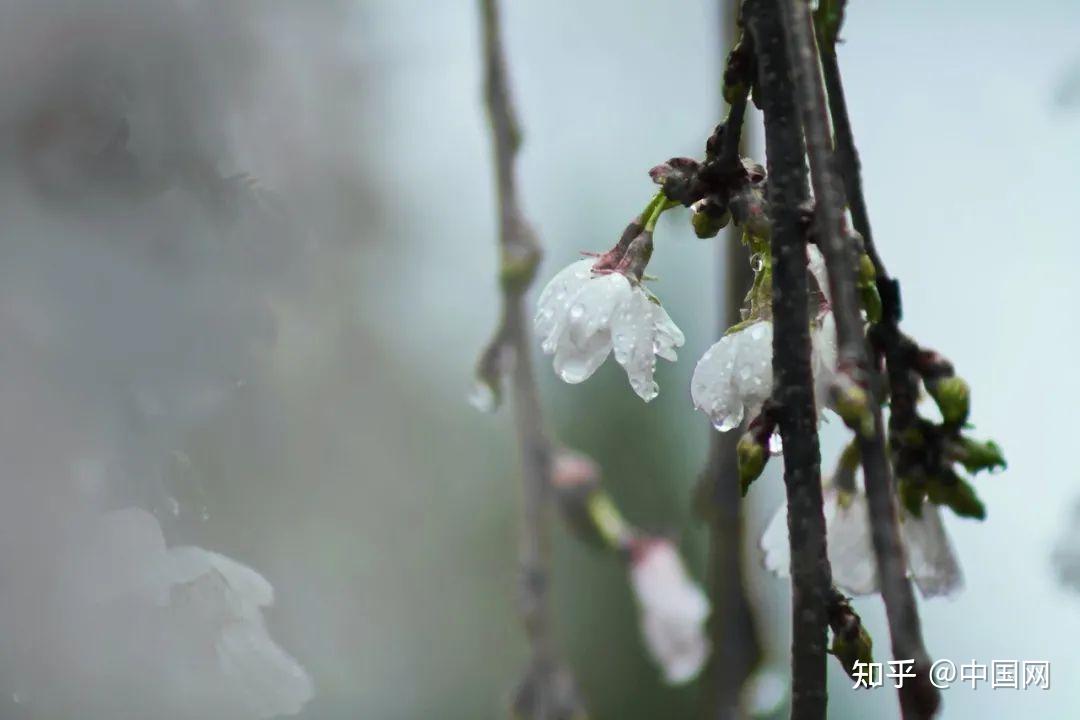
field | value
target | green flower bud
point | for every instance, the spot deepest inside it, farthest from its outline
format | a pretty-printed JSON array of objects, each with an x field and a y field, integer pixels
[
  {"x": 852, "y": 403},
  {"x": 911, "y": 495},
  {"x": 953, "y": 398},
  {"x": 867, "y": 271},
  {"x": 976, "y": 456},
  {"x": 850, "y": 648},
  {"x": 706, "y": 225},
  {"x": 961, "y": 497},
  {"x": 517, "y": 270},
  {"x": 871, "y": 301},
  {"x": 607, "y": 521},
  {"x": 752, "y": 457}
]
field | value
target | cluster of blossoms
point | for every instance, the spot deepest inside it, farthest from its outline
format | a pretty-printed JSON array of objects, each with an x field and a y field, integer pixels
[
  {"x": 931, "y": 559},
  {"x": 600, "y": 304}
]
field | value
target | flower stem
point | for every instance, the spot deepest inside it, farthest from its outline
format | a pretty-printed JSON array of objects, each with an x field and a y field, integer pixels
[{"x": 656, "y": 207}]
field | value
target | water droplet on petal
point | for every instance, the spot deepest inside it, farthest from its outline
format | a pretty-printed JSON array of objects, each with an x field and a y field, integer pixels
[
  {"x": 577, "y": 311},
  {"x": 725, "y": 423}
]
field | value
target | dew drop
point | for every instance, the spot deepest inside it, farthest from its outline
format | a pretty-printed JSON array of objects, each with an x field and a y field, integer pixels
[
  {"x": 725, "y": 423},
  {"x": 482, "y": 397}
]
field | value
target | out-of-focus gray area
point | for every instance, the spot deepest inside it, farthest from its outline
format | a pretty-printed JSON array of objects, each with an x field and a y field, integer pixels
[{"x": 247, "y": 261}]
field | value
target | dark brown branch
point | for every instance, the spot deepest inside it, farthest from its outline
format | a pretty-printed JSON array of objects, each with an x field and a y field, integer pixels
[
  {"x": 547, "y": 692},
  {"x": 736, "y": 647},
  {"x": 919, "y": 698},
  {"x": 847, "y": 156},
  {"x": 793, "y": 380}
]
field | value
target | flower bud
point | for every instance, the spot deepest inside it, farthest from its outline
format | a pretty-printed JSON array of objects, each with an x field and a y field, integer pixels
[
  {"x": 867, "y": 271},
  {"x": 871, "y": 302},
  {"x": 752, "y": 455},
  {"x": 678, "y": 177},
  {"x": 976, "y": 456},
  {"x": 852, "y": 403},
  {"x": 912, "y": 494},
  {"x": 517, "y": 270},
  {"x": 672, "y": 608},
  {"x": 709, "y": 217},
  {"x": 851, "y": 647},
  {"x": 587, "y": 510},
  {"x": 953, "y": 398},
  {"x": 958, "y": 494},
  {"x": 851, "y": 642}
]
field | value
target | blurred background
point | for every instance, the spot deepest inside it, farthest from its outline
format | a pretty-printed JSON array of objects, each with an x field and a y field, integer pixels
[{"x": 247, "y": 262}]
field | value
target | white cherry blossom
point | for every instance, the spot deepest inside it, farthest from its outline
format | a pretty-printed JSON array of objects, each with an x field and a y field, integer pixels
[
  {"x": 196, "y": 619},
  {"x": 931, "y": 559},
  {"x": 734, "y": 377},
  {"x": 673, "y": 609},
  {"x": 581, "y": 318}
]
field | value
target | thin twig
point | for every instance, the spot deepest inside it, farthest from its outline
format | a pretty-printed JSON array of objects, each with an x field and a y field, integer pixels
[
  {"x": 546, "y": 692},
  {"x": 919, "y": 698},
  {"x": 793, "y": 390}
]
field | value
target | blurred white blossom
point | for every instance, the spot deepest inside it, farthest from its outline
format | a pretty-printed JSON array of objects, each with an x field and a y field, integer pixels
[
  {"x": 582, "y": 317},
  {"x": 673, "y": 609},
  {"x": 197, "y": 630},
  {"x": 931, "y": 559},
  {"x": 734, "y": 377}
]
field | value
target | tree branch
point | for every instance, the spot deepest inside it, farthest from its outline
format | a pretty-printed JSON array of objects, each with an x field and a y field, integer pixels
[
  {"x": 920, "y": 698},
  {"x": 547, "y": 691},
  {"x": 793, "y": 384}
]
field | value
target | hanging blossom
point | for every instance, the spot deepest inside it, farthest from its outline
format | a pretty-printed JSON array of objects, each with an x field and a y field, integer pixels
[
  {"x": 195, "y": 617},
  {"x": 734, "y": 377},
  {"x": 598, "y": 305},
  {"x": 673, "y": 609},
  {"x": 931, "y": 559}
]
